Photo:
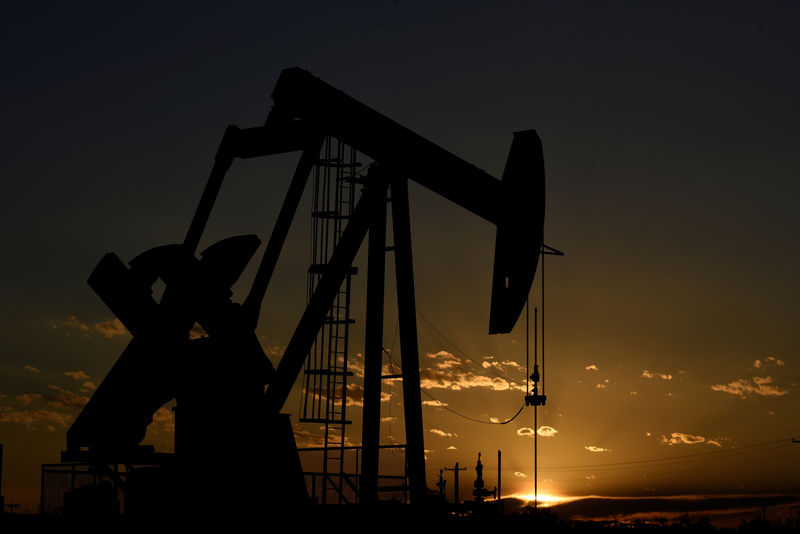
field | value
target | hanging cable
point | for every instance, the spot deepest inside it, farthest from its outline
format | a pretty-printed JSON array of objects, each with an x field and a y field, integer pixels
[
  {"x": 723, "y": 453},
  {"x": 446, "y": 407}
]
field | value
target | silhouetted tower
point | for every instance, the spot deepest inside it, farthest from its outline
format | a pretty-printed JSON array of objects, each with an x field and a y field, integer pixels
[
  {"x": 480, "y": 491},
  {"x": 455, "y": 471},
  {"x": 441, "y": 483},
  {"x": 325, "y": 392}
]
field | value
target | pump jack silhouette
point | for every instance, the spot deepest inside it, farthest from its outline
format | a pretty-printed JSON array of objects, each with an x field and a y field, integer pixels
[{"x": 234, "y": 436}]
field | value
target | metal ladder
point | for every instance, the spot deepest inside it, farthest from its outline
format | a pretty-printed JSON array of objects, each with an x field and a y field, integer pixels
[{"x": 325, "y": 392}]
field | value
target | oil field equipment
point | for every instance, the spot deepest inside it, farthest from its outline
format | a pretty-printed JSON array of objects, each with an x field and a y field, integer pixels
[{"x": 237, "y": 445}]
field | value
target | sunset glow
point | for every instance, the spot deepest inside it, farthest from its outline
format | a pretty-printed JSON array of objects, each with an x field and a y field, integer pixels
[{"x": 544, "y": 499}]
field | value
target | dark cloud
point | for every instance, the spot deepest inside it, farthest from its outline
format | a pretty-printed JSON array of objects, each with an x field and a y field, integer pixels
[
  {"x": 63, "y": 398},
  {"x": 111, "y": 329},
  {"x": 77, "y": 375},
  {"x": 28, "y": 398},
  {"x": 29, "y": 418}
]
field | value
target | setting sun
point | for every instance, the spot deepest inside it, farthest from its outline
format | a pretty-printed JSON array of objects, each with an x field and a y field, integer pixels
[{"x": 544, "y": 499}]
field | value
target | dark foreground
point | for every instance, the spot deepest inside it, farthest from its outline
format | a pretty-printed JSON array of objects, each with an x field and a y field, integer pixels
[{"x": 779, "y": 514}]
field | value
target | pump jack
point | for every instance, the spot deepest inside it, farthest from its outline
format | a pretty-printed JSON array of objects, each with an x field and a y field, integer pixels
[{"x": 238, "y": 439}]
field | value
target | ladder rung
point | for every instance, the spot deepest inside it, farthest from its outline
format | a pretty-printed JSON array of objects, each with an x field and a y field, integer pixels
[
  {"x": 323, "y": 421},
  {"x": 390, "y": 377}
]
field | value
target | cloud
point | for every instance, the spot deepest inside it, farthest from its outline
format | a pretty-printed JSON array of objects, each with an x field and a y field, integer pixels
[
  {"x": 355, "y": 364},
  {"x": 600, "y": 386},
  {"x": 743, "y": 387},
  {"x": 71, "y": 323},
  {"x": 592, "y": 448},
  {"x": 31, "y": 417},
  {"x": 87, "y": 385},
  {"x": 442, "y": 433},
  {"x": 451, "y": 448},
  {"x": 449, "y": 372},
  {"x": 520, "y": 474},
  {"x": 679, "y": 438},
  {"x": 544, "y": 431},
  {"x": 445, "y": 360},
  {"x": 770, "y": 361},
  {"x": 163, "y": 422},
  {"x": 662, "y": 376},
  {"x": 547, "y": 431},
  {"x": 271, "y": 347},
  {"x": 714, "y": 442},
  {"x": 28, "y": 398},
  {"x": 389, "y": 369},
  {"x": 634, "y": 393},
  {"x": 77, "y": 375},
  {"x": 111, "y": 328},
  {"x": 494, "y": 419},
  {"x": 32, "y": 369},
  {"x": 592, "y": 367},
  {"x": 435, "y": 403},
  {"x": 355, "y": 394},
  {"x": 388, "y": 419},
  {"x": 490, "y": 361},
  {"x": 305, "y": 438},
  {"x": 66, "y": 399}
]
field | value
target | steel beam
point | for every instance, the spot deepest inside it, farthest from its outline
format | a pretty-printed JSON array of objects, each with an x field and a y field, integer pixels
[
  {"x": 373, "y": 347},
  {"x": 252, "y": 304},
  {"x": 409, "y": 350}
]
